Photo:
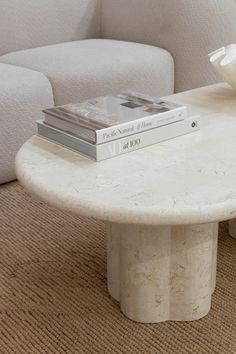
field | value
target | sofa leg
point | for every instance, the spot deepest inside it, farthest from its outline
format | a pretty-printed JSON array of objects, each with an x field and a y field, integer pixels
[{"x": 232, "y": 228}]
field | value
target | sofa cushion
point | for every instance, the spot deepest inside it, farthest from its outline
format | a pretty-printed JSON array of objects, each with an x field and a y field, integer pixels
[
  {"x": 83, "y": 69},
  {"x": 23, "y": 95}
]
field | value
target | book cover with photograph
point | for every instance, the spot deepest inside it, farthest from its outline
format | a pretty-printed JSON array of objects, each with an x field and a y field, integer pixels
[{"x": 110, "y": 117}]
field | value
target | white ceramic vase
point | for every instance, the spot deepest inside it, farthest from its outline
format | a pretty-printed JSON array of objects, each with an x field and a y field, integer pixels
[{"x": 224, "y": 61}]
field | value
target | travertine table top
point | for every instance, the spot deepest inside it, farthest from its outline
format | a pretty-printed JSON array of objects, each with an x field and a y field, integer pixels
[{"x": 187, "y": 180}]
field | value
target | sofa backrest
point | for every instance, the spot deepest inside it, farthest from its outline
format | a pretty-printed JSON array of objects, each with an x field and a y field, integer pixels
[
  {"x": 188, "y": 29},
  {"x": 32, "y": 23}
]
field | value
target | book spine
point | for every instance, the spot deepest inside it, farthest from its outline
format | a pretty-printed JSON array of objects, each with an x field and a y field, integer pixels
[
  {"x": 144, "y": 139},
  {"x": 140, "y": 125}
]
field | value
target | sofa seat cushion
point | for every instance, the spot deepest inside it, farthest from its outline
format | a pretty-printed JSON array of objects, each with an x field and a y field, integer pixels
[
  {"x": 23, "y": 95},
  {"x": 88, "y": 68}
]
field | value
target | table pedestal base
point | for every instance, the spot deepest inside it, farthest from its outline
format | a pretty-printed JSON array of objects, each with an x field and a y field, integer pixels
[
  {"x": 232, "y": 228},
  {"x": 161, "y": 273}
]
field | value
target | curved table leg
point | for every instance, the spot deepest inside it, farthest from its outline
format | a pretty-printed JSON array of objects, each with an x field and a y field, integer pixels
[
  {"x": 161, "y": 273},
  {"x": 232, "y": 228}
]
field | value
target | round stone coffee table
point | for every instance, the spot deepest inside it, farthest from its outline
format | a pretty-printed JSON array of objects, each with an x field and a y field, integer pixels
[{"x": 161, "y": 204}]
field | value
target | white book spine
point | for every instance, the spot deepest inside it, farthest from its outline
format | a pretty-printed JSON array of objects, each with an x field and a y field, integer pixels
[
  {"x": 150, "y": 137},
  {"x": 121, "y": 146},
  {"x": 140, "y": 125}
]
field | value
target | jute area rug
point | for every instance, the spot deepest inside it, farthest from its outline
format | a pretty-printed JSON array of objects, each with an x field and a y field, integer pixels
[{"x": 53, "y": 296}]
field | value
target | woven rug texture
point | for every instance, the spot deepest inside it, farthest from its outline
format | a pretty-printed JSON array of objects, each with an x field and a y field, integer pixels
[{"x": 53, "y": 296}]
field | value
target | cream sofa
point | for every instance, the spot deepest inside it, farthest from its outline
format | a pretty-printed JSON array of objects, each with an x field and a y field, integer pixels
[{"x": 60, "y": 51}]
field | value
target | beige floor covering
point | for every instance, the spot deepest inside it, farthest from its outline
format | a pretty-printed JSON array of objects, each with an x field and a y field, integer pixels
[{"x": 53, "y": 296}]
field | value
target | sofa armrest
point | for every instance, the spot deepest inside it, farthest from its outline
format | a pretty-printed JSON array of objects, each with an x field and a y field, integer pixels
[
  {"x": 24, "y": 94},
  {"x": 188, "y": 29}
]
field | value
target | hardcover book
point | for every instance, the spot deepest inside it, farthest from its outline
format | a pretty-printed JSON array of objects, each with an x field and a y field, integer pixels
[
  {"x": 112, "y": 117},
  {"x": 119, "y": 146}
]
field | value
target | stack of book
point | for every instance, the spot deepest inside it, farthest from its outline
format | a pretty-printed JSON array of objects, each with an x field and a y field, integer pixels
[{"x": 108, "y": 126}]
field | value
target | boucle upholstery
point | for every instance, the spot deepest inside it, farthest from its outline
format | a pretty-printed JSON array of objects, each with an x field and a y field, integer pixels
[
  {"x": 33, "y": 23},
  {"x": 188, "y": 29},
  {"x": 83, "y": 69},
  {"x": 23, "y": 94}
]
